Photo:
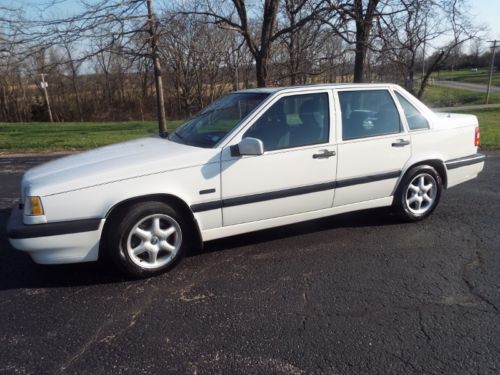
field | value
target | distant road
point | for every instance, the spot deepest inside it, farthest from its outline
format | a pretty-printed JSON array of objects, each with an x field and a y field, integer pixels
[
  {"x": 467, "y": 86},
  {"x": 466, "y": 108}
]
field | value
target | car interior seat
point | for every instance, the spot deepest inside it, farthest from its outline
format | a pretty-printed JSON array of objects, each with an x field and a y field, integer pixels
[
  {"x": 387, "y": 117},
  {"x": 354, "y": 127},
  {"x": 271, "y": 128},
  {"x": 312, "y": 128}
]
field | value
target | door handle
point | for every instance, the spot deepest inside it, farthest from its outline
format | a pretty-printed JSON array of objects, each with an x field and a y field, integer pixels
[
  {"x": 323, "y": 154},
  {"x": 401, "y": 143}
]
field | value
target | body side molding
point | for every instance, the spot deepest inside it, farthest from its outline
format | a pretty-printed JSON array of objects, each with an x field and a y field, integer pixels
[
  {"x": 254, "y": 198},
  {"x": 464, "y": 161},
  {"x": 367, "y": 179}
]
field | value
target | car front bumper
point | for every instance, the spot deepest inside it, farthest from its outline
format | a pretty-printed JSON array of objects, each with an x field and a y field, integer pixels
[{"x": 56, "y": 243}]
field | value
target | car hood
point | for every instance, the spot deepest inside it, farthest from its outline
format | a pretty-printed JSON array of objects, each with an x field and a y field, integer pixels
[{"x": 112, "y": 163}]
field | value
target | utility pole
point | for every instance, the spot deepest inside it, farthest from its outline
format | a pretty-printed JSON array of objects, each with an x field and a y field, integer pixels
[
  {"x": 492, "y": 65},
  {"x": 423, "y": 50},
  {"x": 160, "y": 103},
  {"x": 44, "y": 86}
]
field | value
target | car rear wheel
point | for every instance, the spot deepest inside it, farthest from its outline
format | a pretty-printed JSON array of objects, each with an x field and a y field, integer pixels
[
  {"x": 418, "y": 194},
  {"x": 148, "y": 239}
]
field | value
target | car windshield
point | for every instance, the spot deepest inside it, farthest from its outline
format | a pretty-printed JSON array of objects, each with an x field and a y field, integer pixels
[{"x": 214, "y": 122}]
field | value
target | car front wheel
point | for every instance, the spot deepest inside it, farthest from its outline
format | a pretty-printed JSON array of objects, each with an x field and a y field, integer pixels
[{"x": 148, "y": 239}]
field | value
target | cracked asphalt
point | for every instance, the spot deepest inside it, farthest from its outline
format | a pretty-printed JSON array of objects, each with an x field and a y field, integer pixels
[{"x": 359, "y": 293}]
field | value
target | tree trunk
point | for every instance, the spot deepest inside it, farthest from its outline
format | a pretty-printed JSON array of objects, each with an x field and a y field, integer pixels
[
  {"x": 108, "y": 91},
  {"x": 293, "y": 55},
  {"x": 360, "y": 53},
  {"x": 428, "y": 73},
  {"x": 261, "y": 70},
  {"x": 74, "y": 77},
  {"x": 364, "y": 21},
  {"x": 411, "y": 79},
  {"x": 262, "y": 55},
  {"x": 77, "y": 95},
  {"x": 160, "y": 102},
  {"x": 3, "y": 102}
]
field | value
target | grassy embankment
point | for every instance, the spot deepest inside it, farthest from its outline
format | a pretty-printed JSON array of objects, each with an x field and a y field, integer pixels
[
  {"x": 489, "y": 123},
  {"x": 438, "y": 96},
  {"x": 45, "y": 137}
]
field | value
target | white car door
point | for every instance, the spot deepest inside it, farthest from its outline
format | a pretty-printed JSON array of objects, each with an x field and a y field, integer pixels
[
  {"x": 295, "y": 174},
  {"x": 373, "y": 146}
]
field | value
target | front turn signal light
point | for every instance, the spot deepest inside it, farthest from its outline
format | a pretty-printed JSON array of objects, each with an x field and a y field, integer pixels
[{"x": 33, "y": 206}]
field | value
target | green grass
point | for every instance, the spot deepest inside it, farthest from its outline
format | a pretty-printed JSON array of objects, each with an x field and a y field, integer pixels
[
  {"x": 489, "y": 123},
  {"x": 438, "y": 96},
  {"x": 42, "y": 137},
  {"x": 467, "y": 75}
]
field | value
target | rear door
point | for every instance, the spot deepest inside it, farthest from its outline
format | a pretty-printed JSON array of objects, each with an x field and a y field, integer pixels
[{"x": 373, "y": 146}]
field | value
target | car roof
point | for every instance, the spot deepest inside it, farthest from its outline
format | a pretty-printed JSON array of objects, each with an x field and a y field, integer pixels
[{"x": 272, "y": 90}]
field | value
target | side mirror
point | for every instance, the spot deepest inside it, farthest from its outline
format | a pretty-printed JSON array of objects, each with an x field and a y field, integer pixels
[{"x": 248, "y": 146}]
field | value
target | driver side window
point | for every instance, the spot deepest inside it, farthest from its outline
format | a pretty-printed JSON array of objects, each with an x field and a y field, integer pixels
[{"x": 293, "y": 121}]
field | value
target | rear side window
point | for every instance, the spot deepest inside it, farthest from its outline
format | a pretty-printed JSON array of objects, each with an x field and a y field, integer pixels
[
  {"x": 368, "y": 113},
  {"x": 415, "y": 119}
]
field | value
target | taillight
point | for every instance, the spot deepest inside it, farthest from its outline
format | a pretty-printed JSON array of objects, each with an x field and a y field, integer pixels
[{"x": 477, "y": 136}]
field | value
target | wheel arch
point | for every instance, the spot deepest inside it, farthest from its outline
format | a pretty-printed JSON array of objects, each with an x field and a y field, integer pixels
[
  {"x": 437, "y": 164},
  {"x": 114, "y": 212}
]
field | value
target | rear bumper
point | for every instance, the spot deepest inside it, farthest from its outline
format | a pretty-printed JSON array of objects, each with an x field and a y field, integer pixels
[
  {"x": 464, "y": 169},
  {"x": 56, "y": 243}
]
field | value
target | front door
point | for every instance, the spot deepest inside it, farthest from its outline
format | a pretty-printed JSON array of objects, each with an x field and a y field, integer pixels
[{"x": 297, "y": 171}]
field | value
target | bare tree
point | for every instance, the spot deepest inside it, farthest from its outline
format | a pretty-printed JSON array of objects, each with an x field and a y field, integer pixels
[
  {"x": 421, "y": 23},
  {"x": 303, "y": 42},
  {"x": 102, "y": 26},
  {"x": 259, "y": 32},
  {"x": 155, "y": 56},
  {"x": 476, "y": 50},
  {"x": 363, "y": 19},
  {"x": 107, "y": 61},
  {"x": 73, "y": 67},
  {"x": 353, "y": 21},
  {"x": 234, "y": 57}
]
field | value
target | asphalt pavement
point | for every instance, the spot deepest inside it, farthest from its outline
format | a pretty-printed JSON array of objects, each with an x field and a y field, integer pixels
[{"x": 359, "y": 293}]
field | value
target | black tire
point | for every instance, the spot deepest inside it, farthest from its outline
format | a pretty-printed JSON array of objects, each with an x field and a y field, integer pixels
[
  {"x": 428, "y": 199},
  {"x": 119, "y": 238}
]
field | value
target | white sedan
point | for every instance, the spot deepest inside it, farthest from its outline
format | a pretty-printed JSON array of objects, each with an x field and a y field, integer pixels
[{"x": 254, "y": 159}]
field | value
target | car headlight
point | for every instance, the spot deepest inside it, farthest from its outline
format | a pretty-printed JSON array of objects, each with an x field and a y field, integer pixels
[{"x": 33, "y": 206}]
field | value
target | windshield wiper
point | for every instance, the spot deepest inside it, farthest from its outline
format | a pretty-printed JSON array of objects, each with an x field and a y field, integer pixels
[{"x": 183, "y": 139}]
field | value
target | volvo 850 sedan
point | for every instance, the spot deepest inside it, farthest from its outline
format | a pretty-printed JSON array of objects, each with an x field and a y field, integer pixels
[{"x": 254, "y": 159}]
